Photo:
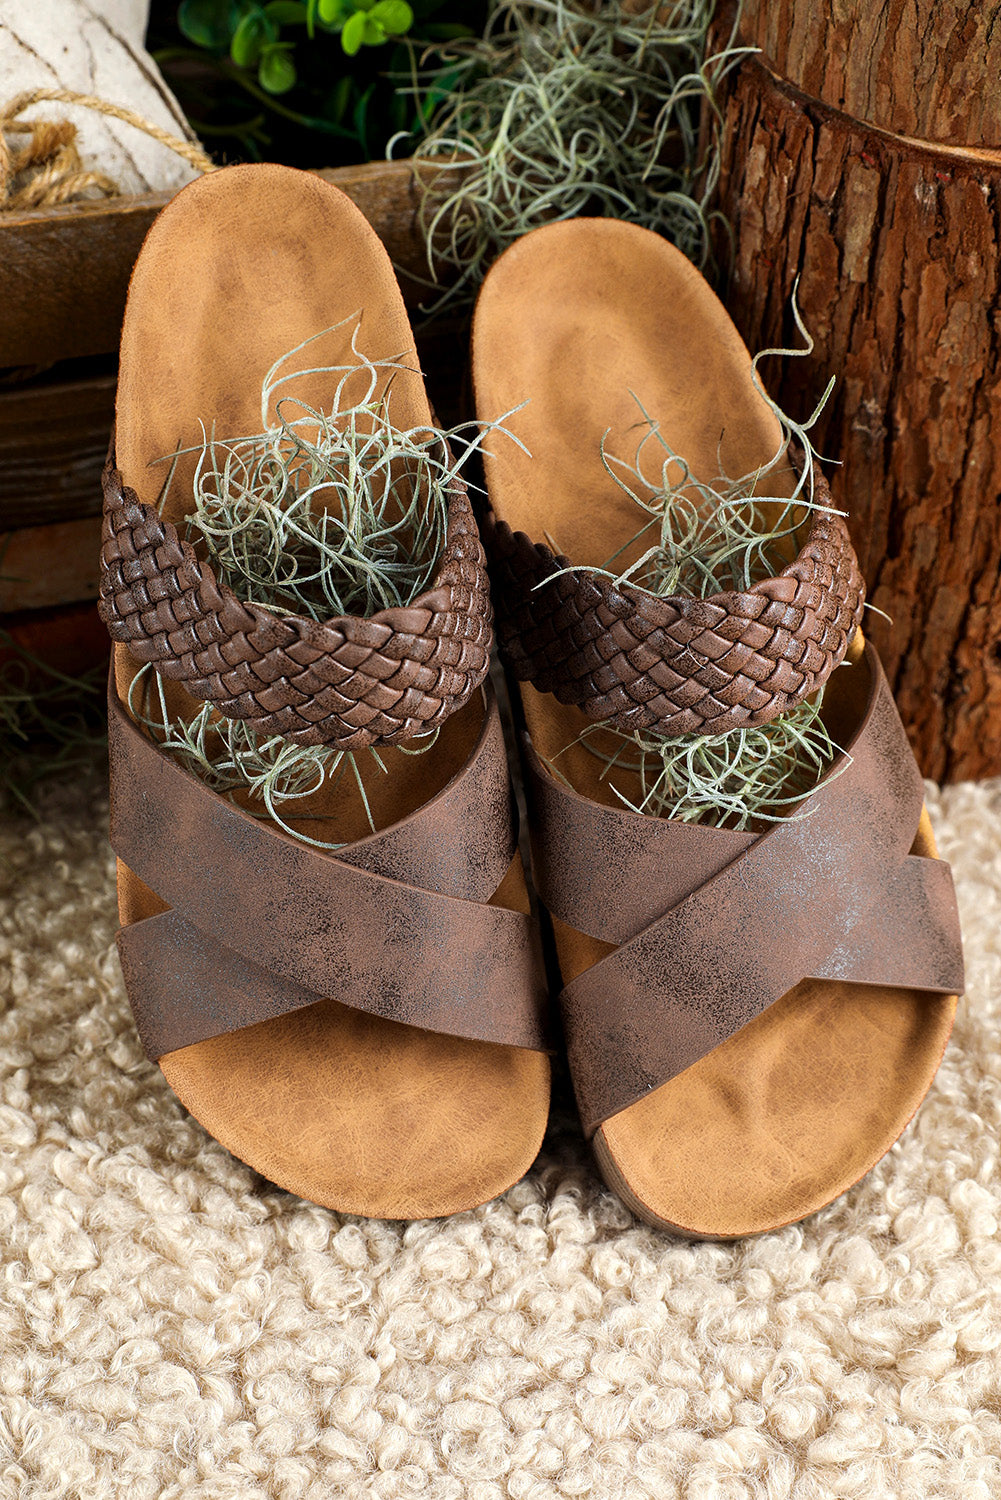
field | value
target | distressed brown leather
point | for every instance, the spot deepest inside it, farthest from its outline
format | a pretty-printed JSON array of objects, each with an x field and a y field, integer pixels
[
  {"x": 677, "y": 665},
  {"x": 714, "y": 926},
  {"x": 397, "y": 924},
  {"x": 350, "y": 682}
]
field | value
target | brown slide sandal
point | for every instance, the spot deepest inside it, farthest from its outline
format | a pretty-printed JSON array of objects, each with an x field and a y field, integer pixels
[
  {"x": 751, "y": 1020},
  {"x": 365, "y": 1028}
]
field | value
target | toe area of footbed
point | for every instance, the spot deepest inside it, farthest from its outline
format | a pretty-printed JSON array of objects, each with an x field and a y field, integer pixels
[
  {"x": 368, "y": 1116},
  {"x": 784, "y": 1117}
]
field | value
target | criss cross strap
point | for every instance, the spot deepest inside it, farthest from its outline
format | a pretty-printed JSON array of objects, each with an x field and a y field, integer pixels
[
  {"x": 713, "y": 926},
  {"x": 350, "y": 682},
  {"x": 677, "y": 665},
  {"x": 398, "y": 924}
]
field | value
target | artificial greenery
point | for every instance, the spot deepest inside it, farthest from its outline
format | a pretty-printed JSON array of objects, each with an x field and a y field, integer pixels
[
  {"x": 253, "y": 33},
  {"x": 736, "y": 780},
  {"x": 707, "y": 536},
  {"x": 324, "y": 512},
  {"x": 306, "y": 81},
  {"x": 562, "y": 108},
  {"x": 320, "y": 513}
]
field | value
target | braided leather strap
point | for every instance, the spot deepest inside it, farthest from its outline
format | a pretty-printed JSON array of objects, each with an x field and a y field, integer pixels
[
  {"x": 677, "y": 665},
  {"x": 348, "y": 682}
]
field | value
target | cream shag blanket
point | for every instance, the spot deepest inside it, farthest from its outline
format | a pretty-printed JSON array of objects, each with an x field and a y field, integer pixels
[{"x": 173, "y": 1328}]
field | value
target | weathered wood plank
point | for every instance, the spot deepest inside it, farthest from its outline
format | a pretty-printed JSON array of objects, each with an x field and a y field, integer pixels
[
  {"x": 42, "y": 566},
  {"x": 70, "y": 639},
  {"x": 53, "y": 442},
  {"x": 64, "y": 272}
]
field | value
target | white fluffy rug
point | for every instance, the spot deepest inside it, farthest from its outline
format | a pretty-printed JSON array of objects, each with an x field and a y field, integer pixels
[{"x": 170, "y": 1326}]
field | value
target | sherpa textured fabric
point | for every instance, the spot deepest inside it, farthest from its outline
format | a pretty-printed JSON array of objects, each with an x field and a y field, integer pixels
[{"x": 174, "y": 1328}]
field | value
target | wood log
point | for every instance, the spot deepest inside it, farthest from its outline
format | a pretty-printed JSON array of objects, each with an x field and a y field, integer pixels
[
  {"x": 896, "y": 244},
  {"x": 925, "y": 69}
]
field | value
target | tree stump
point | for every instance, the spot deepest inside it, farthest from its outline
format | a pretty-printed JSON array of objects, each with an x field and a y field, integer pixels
[{"x": 847, "y": 163}]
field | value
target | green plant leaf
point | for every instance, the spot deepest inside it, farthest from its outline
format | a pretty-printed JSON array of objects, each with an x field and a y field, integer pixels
[
  {"x": 399, "y": 113},
  {"x": 353, "y": 33},
  {"x": 340, "y": 99},
  {"x": 208, "y": 23},
  {"x": 248, "y": 82},
  {"x": 276, "y": 71},
  {"x": 361, "y": 117},
  {"x": 252, "y": 35},
  {"x": 286, "y": 12},
  {"x": 394, "y": 16},
  {"x": 373, "y": 35}
]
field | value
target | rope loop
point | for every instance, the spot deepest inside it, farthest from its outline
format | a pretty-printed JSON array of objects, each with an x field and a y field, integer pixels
[{"x": 48, "y": 169}]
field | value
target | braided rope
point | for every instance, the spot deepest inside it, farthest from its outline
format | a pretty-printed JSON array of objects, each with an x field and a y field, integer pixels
[
  {"x": 49, "y": 169},
  {"x": 348, "y": 682},
  {"x": 677, "y": 665}
]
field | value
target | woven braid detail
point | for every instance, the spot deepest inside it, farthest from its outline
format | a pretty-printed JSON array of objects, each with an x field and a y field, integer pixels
[
  {"x": 677, "y": 665},
  {"x": 348, "y": 682}
]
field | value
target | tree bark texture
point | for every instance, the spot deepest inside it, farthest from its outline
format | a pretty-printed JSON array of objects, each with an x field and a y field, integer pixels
[
  {"x": 924, "y": 68},
  {"x": 897, "y": 247}
]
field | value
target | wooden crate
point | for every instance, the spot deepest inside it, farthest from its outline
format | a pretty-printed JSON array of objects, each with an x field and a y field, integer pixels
[
  {"x": 64, "y": 274},
  {"x": 64, "y": 271}
]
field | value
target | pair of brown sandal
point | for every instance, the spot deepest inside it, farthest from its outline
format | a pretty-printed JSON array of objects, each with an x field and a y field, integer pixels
[{"x": 751, "y": 1020}]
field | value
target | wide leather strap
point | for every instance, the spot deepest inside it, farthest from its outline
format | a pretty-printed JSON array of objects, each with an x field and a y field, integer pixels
[
  {"x": 397, "y": 924},
  {"x": 679, "y": 665},
  {"x": 350, "y": 681},
  {"x": 714, "y": 926}
]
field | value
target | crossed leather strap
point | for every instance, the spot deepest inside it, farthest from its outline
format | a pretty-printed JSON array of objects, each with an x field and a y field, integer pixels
[
  {"x": 714, "y": 926},
  {"x": 397, "y": 924}
]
